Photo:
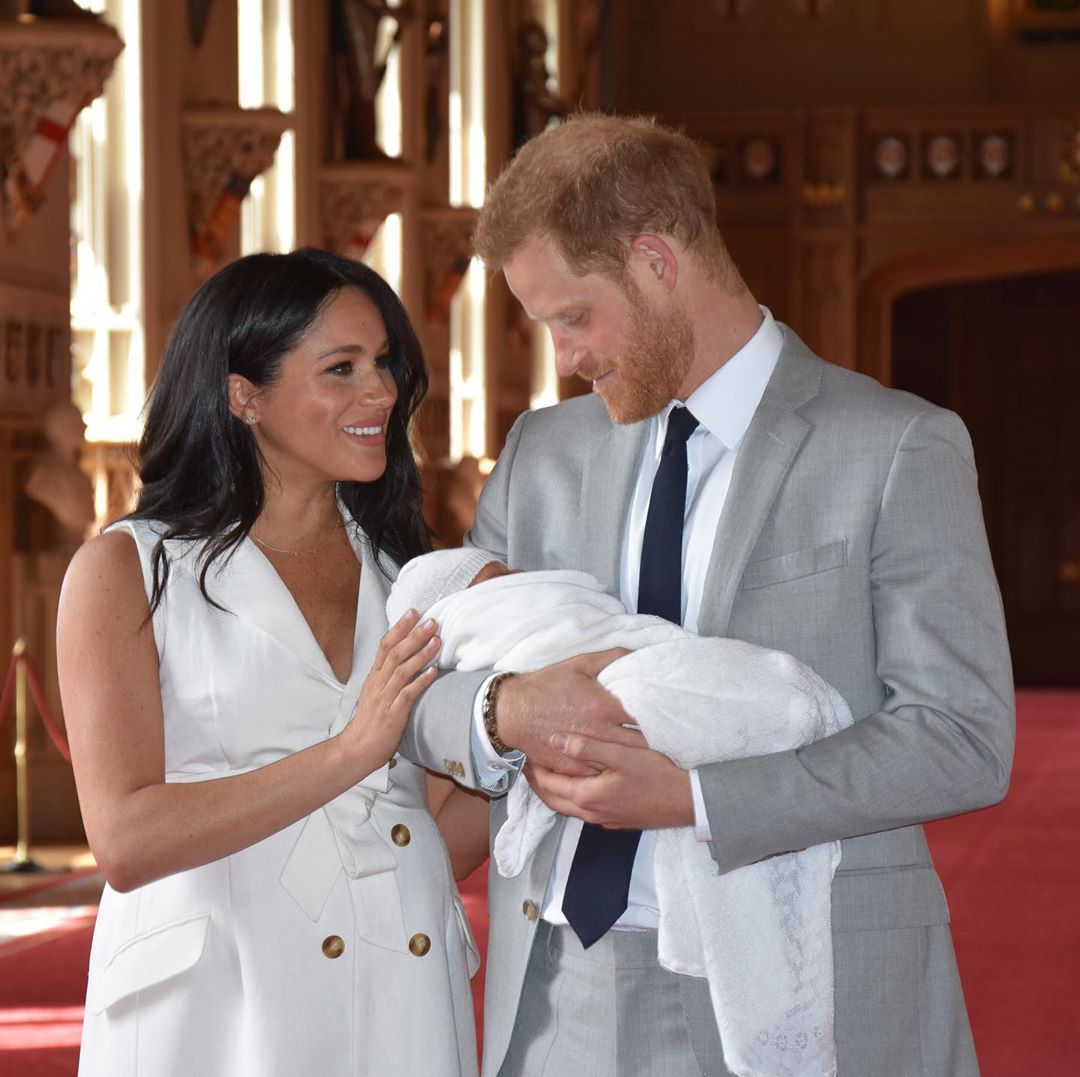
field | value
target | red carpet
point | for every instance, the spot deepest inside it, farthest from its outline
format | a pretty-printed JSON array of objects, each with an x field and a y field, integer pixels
[{"x": 1012, "y": 874}]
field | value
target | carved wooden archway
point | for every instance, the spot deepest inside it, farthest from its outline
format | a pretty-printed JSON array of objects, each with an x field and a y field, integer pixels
[{"x": 988, "y": 260}]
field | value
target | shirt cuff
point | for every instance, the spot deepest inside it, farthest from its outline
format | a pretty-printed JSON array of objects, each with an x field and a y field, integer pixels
[
  {"x": 702, "y": 830},
  {"x": 492, "y": 770}
]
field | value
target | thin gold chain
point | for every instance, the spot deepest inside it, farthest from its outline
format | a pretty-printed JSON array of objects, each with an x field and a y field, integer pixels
[{"x": 297, "y": 553}]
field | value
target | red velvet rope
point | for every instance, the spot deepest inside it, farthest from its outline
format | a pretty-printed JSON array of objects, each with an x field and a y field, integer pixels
[
  {"x": 52, "y": 727},
  {"x": 9, "y": 686}
]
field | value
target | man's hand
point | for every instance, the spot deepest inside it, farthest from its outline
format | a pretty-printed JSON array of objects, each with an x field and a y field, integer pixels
[
  {"x": 630, "y": 787},
  {"x": 560, "y": 699}
]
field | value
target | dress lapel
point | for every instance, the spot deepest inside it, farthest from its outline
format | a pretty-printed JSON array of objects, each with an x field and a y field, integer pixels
[
  {"x": 370, "y": 606},
  {"x": 766, "y": 454},
  {"x": 610, "y": 470},
  {"x": 247, "y": 586}
]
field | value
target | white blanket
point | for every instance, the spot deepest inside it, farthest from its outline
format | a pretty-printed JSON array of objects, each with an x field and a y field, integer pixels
[{"x": 761, "y": 935}]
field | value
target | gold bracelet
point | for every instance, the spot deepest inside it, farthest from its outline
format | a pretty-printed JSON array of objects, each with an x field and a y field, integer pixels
[{"x": 487, "y": 711}]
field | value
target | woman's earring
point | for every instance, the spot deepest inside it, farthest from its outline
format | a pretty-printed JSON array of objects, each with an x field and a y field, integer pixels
[{"x": 251, "y": 419}]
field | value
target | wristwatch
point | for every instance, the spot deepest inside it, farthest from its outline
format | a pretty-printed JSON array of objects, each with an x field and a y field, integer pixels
[{"x": 487, "y": 711}]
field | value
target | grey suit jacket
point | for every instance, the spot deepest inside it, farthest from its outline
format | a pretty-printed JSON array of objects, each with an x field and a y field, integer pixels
[{"x": 852, "y": 537}]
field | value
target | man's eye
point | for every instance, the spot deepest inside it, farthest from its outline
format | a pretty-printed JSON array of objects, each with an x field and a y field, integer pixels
[{"x": 572, "y": 320}]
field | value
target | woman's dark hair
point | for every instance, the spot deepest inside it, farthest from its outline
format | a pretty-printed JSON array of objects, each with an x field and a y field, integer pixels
[{"x": 200, "y": 465}]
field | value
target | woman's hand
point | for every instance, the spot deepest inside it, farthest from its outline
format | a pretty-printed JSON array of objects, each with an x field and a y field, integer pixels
[
  {"x": 140, "y": 826},
  {"x": 396, "y": 679}
]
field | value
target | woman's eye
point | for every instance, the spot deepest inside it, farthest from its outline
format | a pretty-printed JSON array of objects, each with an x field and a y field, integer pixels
[
  {"x": 382, "y": 360},
  {"x": 342, "y": 369}
]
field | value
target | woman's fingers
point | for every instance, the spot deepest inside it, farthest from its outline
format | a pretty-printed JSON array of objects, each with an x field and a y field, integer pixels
[
  {"x": 404, "y": 639},
  {"x": 410, "y": 666},
  {"x": 394, "y": 635}
]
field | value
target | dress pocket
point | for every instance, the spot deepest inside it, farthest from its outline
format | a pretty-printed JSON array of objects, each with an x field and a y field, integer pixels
[
  {"x": 459, "y": 923},
  {"x": 794, "y": 565},
  {"x": 147, "y": 959}
]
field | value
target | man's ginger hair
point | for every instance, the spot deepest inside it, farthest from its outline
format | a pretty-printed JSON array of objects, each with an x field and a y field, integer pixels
[{"x": 594, "y": 182}]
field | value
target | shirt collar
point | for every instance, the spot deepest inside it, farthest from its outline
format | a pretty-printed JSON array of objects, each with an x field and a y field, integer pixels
[{"x": 726, "y": 401}]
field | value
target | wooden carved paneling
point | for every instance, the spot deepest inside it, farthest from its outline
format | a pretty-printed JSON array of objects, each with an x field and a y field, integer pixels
[
  {"x": 860, "y": 200},
  {"x": 825, "y": 290}
]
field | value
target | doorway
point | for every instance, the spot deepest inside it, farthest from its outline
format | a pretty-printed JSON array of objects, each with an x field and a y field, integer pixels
[{"x": 1005, "y": 355}]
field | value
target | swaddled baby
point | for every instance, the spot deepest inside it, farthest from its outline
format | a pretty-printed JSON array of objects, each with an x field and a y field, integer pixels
[{"x": 760, "y": 934}]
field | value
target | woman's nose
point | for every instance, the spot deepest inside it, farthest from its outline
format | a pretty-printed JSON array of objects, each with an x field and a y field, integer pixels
[{"x": 378, "y": 389}]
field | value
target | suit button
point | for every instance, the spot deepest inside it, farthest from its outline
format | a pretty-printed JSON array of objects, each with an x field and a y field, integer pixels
[
  {"x": 333, "y": 946},
  {"x": 531, "y": 910},
  {"x": 419, "y": 944},
  {"x": 400, "y": 835}
]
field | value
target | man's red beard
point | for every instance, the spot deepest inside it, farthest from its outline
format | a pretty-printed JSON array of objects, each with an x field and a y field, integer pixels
[{"x": 653, "y": 364}]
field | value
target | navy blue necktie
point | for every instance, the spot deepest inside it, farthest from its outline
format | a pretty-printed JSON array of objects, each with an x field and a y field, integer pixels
[{"x": 598, "y": 885}]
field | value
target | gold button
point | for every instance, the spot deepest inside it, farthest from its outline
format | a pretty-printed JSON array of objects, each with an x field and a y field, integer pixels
[
  {"x": 419, "y": 944},
  {"x": 393, "y": 761},
  {"x": 400, "y": 835},
  {"x": 333, "y": 946},
  {"x": 531, "y": 910}
]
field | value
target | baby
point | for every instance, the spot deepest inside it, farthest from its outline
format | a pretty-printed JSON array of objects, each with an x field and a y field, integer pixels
[{"x": 761, "y": 934}]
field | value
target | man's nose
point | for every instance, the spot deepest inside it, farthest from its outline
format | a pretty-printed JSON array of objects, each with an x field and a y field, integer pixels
[{"x": 567, "y": 355}]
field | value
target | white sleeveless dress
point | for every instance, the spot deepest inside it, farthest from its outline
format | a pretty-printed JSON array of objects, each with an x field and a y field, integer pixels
[{"x": 229, "y": 970}]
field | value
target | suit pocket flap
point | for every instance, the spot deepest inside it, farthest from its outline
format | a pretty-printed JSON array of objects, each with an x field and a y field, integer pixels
[
  {"x": 148, "y": 959},
  {"x": 795, "y": 565},
  {"x": 877, "y": 899}
]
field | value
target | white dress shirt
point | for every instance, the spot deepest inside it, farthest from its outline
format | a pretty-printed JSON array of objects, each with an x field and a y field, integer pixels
[{"x": 724, "y": 405}]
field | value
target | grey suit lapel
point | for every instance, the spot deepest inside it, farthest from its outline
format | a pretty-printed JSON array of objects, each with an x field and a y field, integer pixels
[
  {"x": 610, "y": 469},
  {"x": 766, "y": 454}
]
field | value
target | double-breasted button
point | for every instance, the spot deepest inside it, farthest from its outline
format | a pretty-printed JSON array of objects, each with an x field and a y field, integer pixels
[
  {"x": 530, "y": 909},
  {"x": 400, "y": 835},
  {"x": 333, "y": 946},
  {"x": 419, "y": 944}
]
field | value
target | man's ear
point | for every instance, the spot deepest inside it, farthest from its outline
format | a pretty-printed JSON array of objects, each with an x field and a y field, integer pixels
[
  {"x": 243, "y": 399},
  {"x": 655, "y": 259}
]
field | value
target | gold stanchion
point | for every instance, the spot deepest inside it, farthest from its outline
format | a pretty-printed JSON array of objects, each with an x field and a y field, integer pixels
[{"x": 22, "y": 861}]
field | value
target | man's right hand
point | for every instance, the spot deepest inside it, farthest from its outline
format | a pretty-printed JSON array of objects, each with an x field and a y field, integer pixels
[{"x": 563, "y": 698}]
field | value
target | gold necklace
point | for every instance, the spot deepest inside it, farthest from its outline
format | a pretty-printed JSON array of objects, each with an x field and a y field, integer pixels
[{"x": 297, "y": 553}]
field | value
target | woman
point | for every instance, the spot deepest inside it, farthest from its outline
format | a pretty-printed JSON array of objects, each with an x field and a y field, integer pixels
[{"x": 279, "y": 898}]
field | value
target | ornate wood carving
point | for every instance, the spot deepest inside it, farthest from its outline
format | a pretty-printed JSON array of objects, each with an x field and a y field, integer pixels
[
  {"x": 354, "y": 199},
  {"x": 49, "y": 70},
  {"x": 224, "y": 148},
  {"x": 854, "y": 192},
  {"x": 447, "y": 244}
]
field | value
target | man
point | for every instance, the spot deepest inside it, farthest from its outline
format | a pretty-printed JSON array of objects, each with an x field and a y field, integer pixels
[{"x": 817, "y": 513}]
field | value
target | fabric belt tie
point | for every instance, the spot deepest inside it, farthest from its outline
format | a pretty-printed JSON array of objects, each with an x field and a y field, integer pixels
[{"x": 598, "y": 884}]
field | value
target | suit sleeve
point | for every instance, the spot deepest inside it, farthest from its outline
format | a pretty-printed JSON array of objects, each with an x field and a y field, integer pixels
[
  {"x": 943, "y": 741},
  {"x": 438, "y": 732}
]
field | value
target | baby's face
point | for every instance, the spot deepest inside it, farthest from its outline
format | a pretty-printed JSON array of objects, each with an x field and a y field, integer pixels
[{"x": 492, "y": 570}]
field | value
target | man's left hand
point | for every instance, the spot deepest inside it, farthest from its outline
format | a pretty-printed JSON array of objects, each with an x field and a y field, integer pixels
[{"x": 636, "y": 787}]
